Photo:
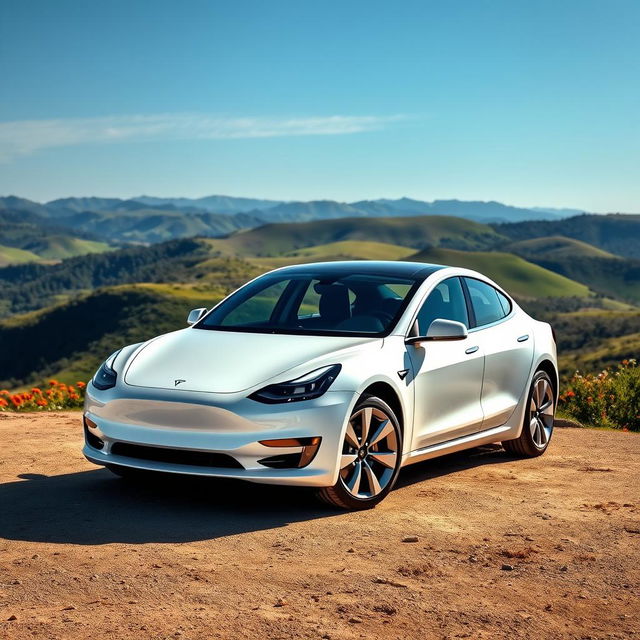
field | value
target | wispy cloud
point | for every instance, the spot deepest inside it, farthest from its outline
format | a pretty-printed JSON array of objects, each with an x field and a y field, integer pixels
[{"x": 23, "y": 137}]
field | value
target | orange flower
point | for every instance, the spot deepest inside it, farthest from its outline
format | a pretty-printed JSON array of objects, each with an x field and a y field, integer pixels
[
  {"x": 53, "y": 383},
  {"x": 571, "y": 394},
  {"x": 74, "y": 396},
  {"x": 4, "y": 392},
  {"x": 71, "y": 389},
  {"x": 17, "y": 400},
  {"x": 81, "y": 385},
  {"x": 3, "y": 403},
  {"x": 26, "y": 396},
  {"x": 42, "y": 402},
  {"x": 36, "y": 390}
]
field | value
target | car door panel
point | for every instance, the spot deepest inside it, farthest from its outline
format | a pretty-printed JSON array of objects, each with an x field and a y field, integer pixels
[
  {"x": 508, "y": 358},
  {"x": 505, "y": 336},
  {"x": 447, "y": 374},
  {"x": 448, "y": 386}
]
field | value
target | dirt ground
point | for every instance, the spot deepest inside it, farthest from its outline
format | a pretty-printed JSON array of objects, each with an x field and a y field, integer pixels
[{"x": 544, "y": 548}]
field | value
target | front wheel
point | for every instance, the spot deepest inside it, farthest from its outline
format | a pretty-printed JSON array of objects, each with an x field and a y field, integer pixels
[
  {"x": 370, "y": 459},
  {"x": 538, "y": 419}
]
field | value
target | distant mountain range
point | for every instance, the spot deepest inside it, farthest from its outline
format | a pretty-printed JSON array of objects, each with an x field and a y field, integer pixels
[
  {"x": 281, "y": 211},
  {"x": 148, "y": 219}
]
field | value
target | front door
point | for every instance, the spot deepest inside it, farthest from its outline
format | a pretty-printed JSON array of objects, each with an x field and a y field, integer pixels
[{"x": 447, "y": 374}]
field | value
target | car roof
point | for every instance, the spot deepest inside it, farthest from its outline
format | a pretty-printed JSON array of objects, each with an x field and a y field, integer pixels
[{"x": 391, "y": 268}]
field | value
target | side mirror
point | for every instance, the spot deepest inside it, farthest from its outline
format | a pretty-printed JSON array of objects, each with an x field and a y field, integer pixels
[
  {"x": 195, "y": 315},
  {"x": 441, "y": 329}
]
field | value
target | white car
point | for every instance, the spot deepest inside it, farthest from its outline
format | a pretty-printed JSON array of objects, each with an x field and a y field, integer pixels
[{"x": 329, "y": 375}]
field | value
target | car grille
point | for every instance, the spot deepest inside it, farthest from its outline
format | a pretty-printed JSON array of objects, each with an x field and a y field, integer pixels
[{"x": 175, "y": 456}]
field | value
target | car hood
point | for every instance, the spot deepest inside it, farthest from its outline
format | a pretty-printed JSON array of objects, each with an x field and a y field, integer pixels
[{"x": 229, "y": 362}]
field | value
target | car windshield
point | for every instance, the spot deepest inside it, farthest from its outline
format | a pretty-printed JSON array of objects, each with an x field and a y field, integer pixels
[{"x": 315, "y": 304}]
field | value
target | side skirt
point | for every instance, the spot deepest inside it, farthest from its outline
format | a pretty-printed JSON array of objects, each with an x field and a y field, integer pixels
[{"x": 496, "y": 434}]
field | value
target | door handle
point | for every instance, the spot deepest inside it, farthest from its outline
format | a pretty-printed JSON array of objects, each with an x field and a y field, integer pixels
[
  {"x": 523, "y": 338},
  {"x": 471, "y": 350}
]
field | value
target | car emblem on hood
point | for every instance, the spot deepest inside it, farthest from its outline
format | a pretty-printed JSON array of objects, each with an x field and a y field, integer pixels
[{"x": 178, "y": 381}]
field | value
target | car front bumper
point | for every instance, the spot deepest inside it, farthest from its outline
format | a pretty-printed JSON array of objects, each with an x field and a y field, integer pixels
[{"x": 217, "y": 424}]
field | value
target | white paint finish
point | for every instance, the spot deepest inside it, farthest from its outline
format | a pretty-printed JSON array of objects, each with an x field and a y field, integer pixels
[
  {"x": 506, "y": 367},
  {"x": 450, "y": 399},
  {"x": 226, "y": 361},
  {"x": 447, "y": 388}
]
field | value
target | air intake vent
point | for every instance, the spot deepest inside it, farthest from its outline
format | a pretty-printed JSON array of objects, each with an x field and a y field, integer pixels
[{"x": 175, "y": 456}]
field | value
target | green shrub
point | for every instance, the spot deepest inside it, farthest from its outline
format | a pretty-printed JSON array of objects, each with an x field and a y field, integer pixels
[{"x": 609, "y": 399}]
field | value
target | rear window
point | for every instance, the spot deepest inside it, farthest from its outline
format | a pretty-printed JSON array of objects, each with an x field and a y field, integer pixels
[{"x": 489, "y": 305}]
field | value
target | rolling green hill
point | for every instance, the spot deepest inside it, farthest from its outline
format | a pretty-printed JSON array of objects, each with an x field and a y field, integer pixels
[
  {"x": 12, "y": 255},
  {"x": 616, "y": 233},
  {"x": 422, "y": 232},
  {"x": 60, "y": 247},
  {"x": 602, "y": 272},
  {"x": 519, "y": 277},
  {"x": 556, "y": 247}
]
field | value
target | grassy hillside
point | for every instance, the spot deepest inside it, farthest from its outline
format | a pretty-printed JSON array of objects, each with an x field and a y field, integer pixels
[
  {"x": 12, "y": 255},
  {"x": 616, "y": 233},
  {"x": 32, "y": 286},
  {"x": 601, "y": 271},
  {"x": 60, "y": 247},
  {"x": 556, "y": 247},
  {"x": 41, "y": 239},
  {"x": 280, "y": 239},
  {"x": 81, "y": 333},
  {"x": 519, "y": 277}
]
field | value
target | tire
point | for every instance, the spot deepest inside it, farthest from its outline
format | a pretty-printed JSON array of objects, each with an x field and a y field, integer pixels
[
  {"x": 370, "y": 467},
  {"x": 537, "y": 427}
]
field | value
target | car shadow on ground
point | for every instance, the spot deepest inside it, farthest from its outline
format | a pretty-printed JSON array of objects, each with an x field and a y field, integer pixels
[{"x": 95, "y": 507}]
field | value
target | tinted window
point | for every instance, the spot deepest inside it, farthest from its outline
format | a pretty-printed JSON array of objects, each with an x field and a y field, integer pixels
[
  {"x": 446, "y": 301},
  {"x": 312, "y": 303},
  {"x": 505, "y": 302},
  {"x": 487, "y": 306}
]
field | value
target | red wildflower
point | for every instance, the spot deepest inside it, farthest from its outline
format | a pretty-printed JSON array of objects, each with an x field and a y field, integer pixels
[
  {"x": 53, "y": 383},
  {"x": 3, "y": 403},
  {"x": 36, "y": 390},
  {"x": 81, "y": 385},
  {"x": 17, "y": 400},
  {"x": 42, "y": 402}
]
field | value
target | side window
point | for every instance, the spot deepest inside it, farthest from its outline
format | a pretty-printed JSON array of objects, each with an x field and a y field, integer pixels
[
  {"x": 486, "y": 302},
  {"x": 446, "y": 301},
  {"x": 505, "y": 302}
]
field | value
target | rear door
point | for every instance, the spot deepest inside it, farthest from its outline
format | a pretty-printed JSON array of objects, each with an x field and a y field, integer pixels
[{"x": 506, "y": 340}]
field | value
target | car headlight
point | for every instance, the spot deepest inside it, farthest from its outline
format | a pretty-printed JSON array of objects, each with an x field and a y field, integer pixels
[
  {"x": 105, "y": 377},
  {"x": 312, "y": 385}
]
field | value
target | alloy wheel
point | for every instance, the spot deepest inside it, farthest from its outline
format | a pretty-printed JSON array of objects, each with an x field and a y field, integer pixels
[
  {"x": 369, "y": 454},
  {"x": 541, "y": 413}
]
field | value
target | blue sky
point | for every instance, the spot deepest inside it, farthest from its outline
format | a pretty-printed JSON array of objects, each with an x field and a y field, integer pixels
[{"x": 526, "y": 102}]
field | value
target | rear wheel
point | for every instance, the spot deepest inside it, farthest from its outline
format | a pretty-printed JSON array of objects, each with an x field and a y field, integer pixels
[
  {"x": 371, "y": 457},
  {"x": 538, "y": 421}
]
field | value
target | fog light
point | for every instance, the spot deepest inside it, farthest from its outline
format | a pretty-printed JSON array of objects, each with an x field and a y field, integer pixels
[{"x": 299, "y": 460}]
